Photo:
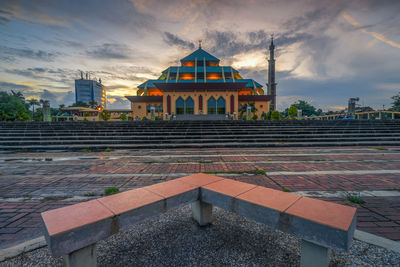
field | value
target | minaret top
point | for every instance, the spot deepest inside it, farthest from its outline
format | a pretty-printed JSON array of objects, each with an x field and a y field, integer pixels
[{"x": 272, "y": 46}]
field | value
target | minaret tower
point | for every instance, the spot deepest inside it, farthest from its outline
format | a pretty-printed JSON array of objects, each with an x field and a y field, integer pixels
[{"x": 271, "y": 85}]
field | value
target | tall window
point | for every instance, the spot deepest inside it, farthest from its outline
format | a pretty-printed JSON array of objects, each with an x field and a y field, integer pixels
[
  {"x": 189, "y": 106},
  {"x": 180, "y": 106},
  {"x": 200, "y": 103},
  {"x": 211, "y": 106},
  {"x": 221, "y": 105},
  {"x": 232, "y": 104}
]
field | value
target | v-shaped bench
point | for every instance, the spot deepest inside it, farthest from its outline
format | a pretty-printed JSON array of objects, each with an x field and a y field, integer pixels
[{"x": 73, "y": 231}]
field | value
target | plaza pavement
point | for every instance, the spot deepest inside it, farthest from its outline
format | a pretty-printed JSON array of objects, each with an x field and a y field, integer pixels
[{"x": 31, "y": 183}]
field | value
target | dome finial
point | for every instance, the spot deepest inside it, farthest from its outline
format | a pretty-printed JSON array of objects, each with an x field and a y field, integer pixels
[{"x": 200, "y": 44}]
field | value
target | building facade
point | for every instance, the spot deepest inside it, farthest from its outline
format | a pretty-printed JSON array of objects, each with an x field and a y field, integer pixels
[
  {"x": 87, "y": 90},
  {"x": 201, "y": 86}
]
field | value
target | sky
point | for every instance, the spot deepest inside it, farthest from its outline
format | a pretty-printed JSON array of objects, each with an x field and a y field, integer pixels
[{"x": 326, "y": 50}]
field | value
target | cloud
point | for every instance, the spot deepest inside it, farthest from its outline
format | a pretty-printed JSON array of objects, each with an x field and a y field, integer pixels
[
  {"x": 47, "y": 74},
  {"x": 6, "y": 86},
  {"x": 27, "y": 53},
  {"x": 110, "y": 51},
  {"x": 174, "y": 40},
  {"x": 376, "y": 35}
]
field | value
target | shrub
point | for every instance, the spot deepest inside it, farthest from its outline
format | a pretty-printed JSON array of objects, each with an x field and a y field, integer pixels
[
  {"x": 105, "y": 115},
  {"x": 123, "y": 117},
  {"x": 255, "y": 117},
  {"x": 285, "y": 189},
  {"x": 107, "y": 149},
  {"x": 275, "y": 115}
]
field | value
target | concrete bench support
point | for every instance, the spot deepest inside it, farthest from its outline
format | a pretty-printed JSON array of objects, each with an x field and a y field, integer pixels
[
  {"x": 202, "y": 212},
  {"x": 86, "y": 256},
  {"x": 313, "y": 255}
]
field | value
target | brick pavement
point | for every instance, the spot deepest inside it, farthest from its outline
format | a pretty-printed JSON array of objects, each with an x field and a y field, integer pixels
[{"x": 30, "y": 184}]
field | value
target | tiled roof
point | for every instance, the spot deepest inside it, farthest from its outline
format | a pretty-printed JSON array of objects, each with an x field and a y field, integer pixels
[{"x": 200, "y": 54}]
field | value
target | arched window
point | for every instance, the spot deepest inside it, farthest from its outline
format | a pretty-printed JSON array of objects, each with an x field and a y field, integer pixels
[
  {"x": 179, "y": 106},
  {"x": 221, "y": 105},
  {"x": 232, "y": 104},
  {"x": 169, "y": 104},
  {"x": 189, "y": 105},
  {"x": 211, "y": 106}
]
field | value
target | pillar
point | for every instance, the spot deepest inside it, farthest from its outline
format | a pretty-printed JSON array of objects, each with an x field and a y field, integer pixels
[
  {"x": 86, "y": 256},
  {"x": 380, "y": 115},
  {"x": 392, "y": 115},
  {"x": 202, "y": 212},
  {"x": 368, "y": 116},
  {"x": 313, "y": 255}
]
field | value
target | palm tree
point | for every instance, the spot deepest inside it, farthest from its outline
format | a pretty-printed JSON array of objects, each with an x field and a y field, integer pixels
[
  {"x": 93, "y": 104},
  {"x": 33, "y": 102},
  {"x": 18, "y": 94}
]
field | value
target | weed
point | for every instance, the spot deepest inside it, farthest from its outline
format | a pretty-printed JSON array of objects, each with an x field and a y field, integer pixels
[
  {"x": 107, "y": 149},
  {"x": 355, "y": 198},
  {"x": 87, "y": 150},
  {"x": 111, "y": 190},
  {"x": 150, "y": 162},
  {"x": 259, "y": 171},
  {"x": 285, "y": 189},
  {"x": 89, "y": 194},
  {"x": 380, "y": 148}
]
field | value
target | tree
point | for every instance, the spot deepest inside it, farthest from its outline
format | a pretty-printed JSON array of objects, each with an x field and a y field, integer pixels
[
  {"x": 292, "y": 112},
  {"x": 93, "y": 104},
  {"x": 306, "y": 109},
  {"x": 105, "y": 115},
  {"x": 61, "y": 106},
  {"x": 80, "y": 104},
  {"x": 275, "y": 115},
  {"x": 33, "y": 102},
  {"x": 13, "y": 107},
  {"x": 396, "y": 102},
  {"x": 123, "y": 117}
]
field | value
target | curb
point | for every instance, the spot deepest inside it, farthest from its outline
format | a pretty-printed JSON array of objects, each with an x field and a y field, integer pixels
[
  {"x": 23, "y": 247},
  {"x": 41, "y": 242},
  {"x": 377, "y": 241}
]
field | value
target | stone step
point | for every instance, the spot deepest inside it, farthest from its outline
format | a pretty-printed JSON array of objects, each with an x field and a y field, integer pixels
[
  {"x": 195, "y": 145},
  {"x": 192, "y": 136}
]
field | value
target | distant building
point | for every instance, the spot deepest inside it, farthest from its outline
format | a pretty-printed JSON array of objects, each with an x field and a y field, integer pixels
[
  {"x": 202, "y": 87},
  {"x": 87, "y": 90}
]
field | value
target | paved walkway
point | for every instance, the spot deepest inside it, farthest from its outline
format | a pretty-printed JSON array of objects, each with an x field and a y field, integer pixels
[{"x": 34, "y": 182}]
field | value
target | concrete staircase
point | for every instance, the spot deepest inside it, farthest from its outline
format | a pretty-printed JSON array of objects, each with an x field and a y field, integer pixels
[{"x": 195, "y": 134}]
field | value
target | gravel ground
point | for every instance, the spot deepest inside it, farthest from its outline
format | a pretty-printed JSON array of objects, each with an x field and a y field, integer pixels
[{"x": 174, "y": 239}]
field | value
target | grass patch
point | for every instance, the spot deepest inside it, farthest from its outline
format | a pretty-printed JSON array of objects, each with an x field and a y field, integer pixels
[
  {"x": 259, "y": 171},
  {"x": 87, "y": 150},
  {"x": 381, "y": 148},
  {"x": 355, "y": 198},
  {"x": 111, "y": 190},
  {"x": 89, "y": 194},
  {"x": 107, "y": 149},
  {"x": 285, "y": 189},
  {"x": 205, "y": 161}
]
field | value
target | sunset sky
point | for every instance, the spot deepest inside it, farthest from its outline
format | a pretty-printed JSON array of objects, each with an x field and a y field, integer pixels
[{"x": 327, "y": 51}]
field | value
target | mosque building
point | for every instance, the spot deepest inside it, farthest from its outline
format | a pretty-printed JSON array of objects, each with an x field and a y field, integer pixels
[{"x": 201, "y": 86}]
